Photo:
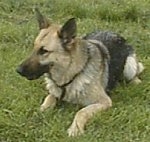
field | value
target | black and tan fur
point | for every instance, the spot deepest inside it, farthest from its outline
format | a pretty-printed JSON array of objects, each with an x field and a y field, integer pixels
[{"x": 79, "y": 70}]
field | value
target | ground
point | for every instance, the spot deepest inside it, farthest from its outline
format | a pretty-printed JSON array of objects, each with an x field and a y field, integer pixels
[{"x": 20, "y": 119}]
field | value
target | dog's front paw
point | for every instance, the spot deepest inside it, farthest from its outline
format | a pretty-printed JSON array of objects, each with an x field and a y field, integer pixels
[
  {"x": 49, "y": 102},
  {"x": 42, "y": 108},
  {"x": 75, "y": 129}
]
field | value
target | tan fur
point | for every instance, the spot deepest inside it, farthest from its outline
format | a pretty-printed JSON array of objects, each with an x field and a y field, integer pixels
[
  {"x": 95, "y": 102},
  {"x": 71, "y": 64}
]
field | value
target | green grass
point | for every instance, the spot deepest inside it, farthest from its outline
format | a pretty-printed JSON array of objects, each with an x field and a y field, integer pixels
[{"x": 20, "y": 119}]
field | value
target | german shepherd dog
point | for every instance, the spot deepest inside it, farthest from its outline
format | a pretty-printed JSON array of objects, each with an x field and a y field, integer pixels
[{"x": 79, "y": 70}]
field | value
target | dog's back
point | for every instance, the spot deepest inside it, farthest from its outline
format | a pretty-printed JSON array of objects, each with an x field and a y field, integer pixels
[{"x": 118, "y": 49}]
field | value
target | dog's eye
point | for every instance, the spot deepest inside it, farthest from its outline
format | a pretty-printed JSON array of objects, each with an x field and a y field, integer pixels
[{"x": 42, "y": 51}]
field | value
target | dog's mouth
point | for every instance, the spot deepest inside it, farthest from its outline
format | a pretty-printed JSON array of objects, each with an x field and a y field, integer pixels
[
  {"x": 32, "y": 74},
  {"x": 33, "y": 77}
]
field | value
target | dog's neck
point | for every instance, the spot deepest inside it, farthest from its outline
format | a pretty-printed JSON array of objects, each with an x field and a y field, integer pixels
[{"x": 63, "y": 75}]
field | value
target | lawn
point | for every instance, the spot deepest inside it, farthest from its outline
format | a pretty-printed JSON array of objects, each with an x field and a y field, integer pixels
[{"x": 20, "y": 119}]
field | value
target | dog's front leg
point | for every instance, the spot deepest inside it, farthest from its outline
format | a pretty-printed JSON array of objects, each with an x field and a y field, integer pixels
[
  {"x": 83, "y": 115},
  {"x": 49, "y": 101}
]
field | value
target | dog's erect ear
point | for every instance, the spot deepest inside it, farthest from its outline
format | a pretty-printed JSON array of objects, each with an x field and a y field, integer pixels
[
  {"x": 68, "y": 30},
  {"x": 43, "y": 22}
]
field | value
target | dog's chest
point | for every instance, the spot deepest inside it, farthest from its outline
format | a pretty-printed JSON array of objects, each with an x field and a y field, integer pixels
[
  {"x": 83, "y": 91},
  {"x": 77, "y": 92}
]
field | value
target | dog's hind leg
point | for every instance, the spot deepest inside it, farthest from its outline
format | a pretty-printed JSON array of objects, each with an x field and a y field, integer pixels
[
  {"x": 132, "y": 69},
  {"x": 83, "y": 115},
  {"x": 49, "y": 101}
]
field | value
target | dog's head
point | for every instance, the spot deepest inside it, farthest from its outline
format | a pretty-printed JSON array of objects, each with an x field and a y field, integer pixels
[{"x": 51, "y": 46}]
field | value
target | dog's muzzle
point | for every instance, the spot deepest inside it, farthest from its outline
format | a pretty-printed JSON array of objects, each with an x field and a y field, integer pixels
[{"x": 32, "y": 73}]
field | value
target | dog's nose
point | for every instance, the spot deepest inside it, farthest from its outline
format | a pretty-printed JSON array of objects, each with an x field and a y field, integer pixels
[{"x": 19, "y": 69}]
